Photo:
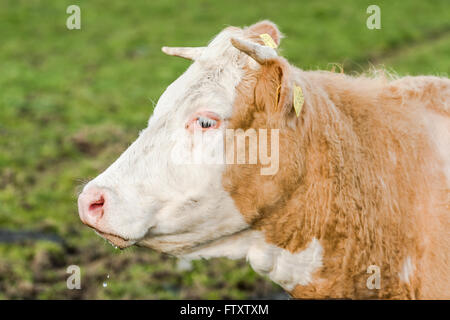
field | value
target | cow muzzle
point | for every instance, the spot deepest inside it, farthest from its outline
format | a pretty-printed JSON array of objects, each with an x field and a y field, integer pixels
[{"x": 92, "y": 207}]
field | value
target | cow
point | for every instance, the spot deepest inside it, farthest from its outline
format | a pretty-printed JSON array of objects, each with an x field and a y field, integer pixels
[{"x": 357, "y": 206}]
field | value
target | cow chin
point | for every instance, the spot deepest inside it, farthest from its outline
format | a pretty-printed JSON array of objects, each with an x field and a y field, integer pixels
[
  {"x": 115, "y": 240},
  {"x": 168, "y": 247}
]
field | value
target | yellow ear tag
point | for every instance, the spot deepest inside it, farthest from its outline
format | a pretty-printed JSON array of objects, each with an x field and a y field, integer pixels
[
  {"x": 268, "y": 41},
  {"x": 299, "y": 99}
]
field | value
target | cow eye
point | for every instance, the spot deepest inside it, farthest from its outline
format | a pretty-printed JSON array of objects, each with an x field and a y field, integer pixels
[
  {"x": 204, "y": 120},
  {"x": 206, "y": 123}
]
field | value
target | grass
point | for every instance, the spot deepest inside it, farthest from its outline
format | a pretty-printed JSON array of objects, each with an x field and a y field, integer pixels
[{"x": 72, "y": 101}]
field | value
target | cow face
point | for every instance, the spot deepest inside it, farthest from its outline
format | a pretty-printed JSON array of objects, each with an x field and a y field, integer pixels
[{"x": 154, "y": 194}]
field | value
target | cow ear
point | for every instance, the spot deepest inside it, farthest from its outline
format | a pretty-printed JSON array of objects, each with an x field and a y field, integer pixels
[
  {"x": 268, "y": 27},
  {"x": 273, "y": 91}
]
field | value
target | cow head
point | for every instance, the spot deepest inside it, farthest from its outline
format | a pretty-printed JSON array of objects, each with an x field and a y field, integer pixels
[{"x": 153, "y": 194}]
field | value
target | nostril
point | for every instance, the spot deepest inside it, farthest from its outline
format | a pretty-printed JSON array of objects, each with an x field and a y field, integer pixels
[
  {"x": 97, "y": 205},
  {"x": 92, "y": 204}
]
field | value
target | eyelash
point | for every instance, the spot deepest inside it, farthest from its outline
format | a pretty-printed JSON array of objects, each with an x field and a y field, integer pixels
[{"x": 206, "y": 123}]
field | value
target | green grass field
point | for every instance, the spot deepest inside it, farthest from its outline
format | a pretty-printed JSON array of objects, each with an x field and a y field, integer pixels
[{"x": 72, "y": 101}]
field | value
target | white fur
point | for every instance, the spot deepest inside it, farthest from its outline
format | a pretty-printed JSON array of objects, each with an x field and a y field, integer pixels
[
  {"x": 286, "y": 268},
  {"x": 439, "y": 131},
  {"x": 407, "y": 270},
  {"x": 281, "y": 266}
]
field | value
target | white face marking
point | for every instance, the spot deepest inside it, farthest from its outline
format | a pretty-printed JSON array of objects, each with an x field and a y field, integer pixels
[
  {"x": 439, "y": 131},
  {"x": 282, "y": 266},
  {"x": 407, "y": 270},
  {"x": 170, "y": 206}
]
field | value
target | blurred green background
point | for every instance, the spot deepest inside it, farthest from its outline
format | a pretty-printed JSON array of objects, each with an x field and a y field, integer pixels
[{"x": 72, "y": 100}]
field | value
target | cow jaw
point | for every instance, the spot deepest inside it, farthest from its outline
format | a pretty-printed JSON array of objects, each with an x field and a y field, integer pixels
[{"x": 192, "y": 221}]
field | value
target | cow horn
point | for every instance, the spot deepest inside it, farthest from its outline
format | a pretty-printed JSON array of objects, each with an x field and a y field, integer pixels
[
  {"x": 189, "y": 53},
  {"x": 258, "y": 52}
]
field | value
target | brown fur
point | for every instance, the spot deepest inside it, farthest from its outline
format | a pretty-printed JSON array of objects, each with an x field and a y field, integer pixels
[{"x": 357, "y": 171}]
